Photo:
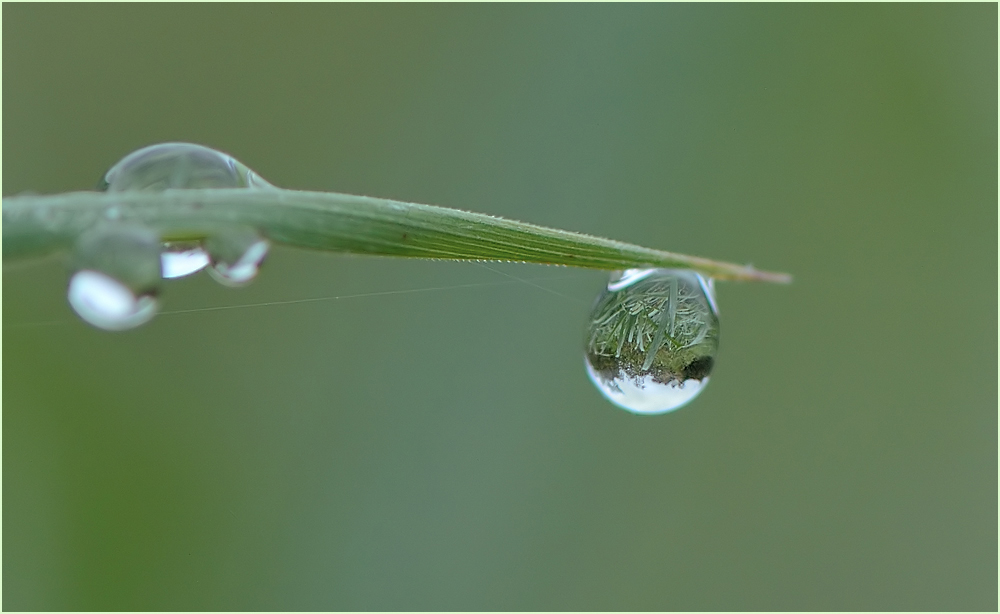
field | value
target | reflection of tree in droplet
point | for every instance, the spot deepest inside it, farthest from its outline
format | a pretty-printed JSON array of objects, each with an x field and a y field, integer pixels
[{"x": 652, "y": 339}]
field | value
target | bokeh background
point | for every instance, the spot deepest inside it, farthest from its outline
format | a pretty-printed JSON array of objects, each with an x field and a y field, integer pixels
[{"x": 403, "y": 446}]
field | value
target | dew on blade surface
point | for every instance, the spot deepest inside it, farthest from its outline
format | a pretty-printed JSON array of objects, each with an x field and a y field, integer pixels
[
  {"x": 234, "y": 256},
  {"x": 176, "y": 166},
  {"x": 112, "y": 287},
  {"x": 652, "y": 338}
]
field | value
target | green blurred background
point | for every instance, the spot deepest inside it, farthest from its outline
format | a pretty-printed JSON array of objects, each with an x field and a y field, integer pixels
[{"x": 444, "y": 449}]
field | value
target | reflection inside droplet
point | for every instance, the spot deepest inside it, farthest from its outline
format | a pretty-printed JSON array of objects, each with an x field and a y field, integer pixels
[
  {"x": 107, "y": 303},
  {"x": 652, "y": 339},
  {"x": 182, "y": 262},
  {"x": 644, "y": 395},
  {"x": 241, "y": 269}
]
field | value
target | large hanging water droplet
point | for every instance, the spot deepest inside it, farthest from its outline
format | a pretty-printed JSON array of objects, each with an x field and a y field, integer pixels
[
  {"x": 652, "y": 339},
  {"x": 117, "y": 276},
  {"x": 179, "y": 165}
]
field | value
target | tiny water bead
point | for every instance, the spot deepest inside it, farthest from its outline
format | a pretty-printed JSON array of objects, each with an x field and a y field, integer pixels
[{"x": 652, "y": 339}]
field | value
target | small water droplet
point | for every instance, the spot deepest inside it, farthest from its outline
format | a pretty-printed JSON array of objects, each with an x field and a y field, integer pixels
[
  {"x": 107, "y": 303},
  {"x": 236, "y": 256},
  {"x": 182, "y": 260},
  {"x": 652, "y": 339},
  {"x": 179, "y": 165},
  {"x": 117, "y": 272}
]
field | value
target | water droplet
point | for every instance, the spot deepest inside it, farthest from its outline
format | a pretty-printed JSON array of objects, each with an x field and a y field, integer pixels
[
  {"x": 107, "y": 303},
  {"x": 182, "y": 260},
  {"x": 652, "y": 339},
  {"x": 179, "y": 165},
  {"x": 117, "y": 275},
  {"x": 236, "y": 256}
]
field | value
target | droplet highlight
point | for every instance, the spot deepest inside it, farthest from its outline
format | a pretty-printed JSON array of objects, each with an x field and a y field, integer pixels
[
  {"x": 181, "y": 261},
  {"x": 652, "y": 339},
  {"x": 105, "y": 302}
]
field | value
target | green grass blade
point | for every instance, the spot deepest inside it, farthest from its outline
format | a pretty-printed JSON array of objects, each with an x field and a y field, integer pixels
[{"x": 39, "y": 225}]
